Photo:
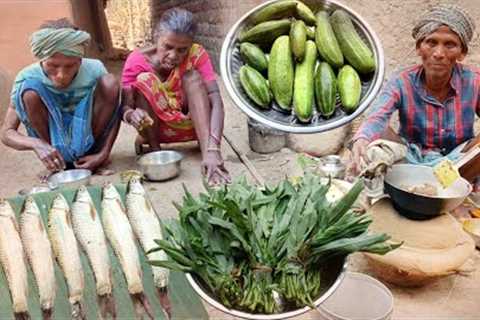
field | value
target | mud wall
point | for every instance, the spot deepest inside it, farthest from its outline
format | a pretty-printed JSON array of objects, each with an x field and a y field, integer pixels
[
  {"x": 392, "y": 20},
  {"x": 19, "y": 18},
  {"x": 214, "y": 18},
  {"x": 89, "y": 15}
]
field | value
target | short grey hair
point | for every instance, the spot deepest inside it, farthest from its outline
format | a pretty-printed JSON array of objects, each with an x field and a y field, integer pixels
[{"x": 176, "y": 20}]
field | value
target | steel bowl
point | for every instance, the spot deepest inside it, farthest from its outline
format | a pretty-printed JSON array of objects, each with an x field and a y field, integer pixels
[
  {"x": 417, "y": 206},
  {"x": 230, "y": 63},
  {"x": 34, "y": 190},
  {"x": 332, "y": 272},
  {"x": 332, "y": 166},
  {"x": 73, "y": 178},
  {"x": 160, "y": 165}
]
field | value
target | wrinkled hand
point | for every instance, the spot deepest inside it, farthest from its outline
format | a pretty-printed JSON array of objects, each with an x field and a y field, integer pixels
[
  {"x": 90, "y": 162},
  {"x": 214, "y": 170},
  {"x": 139, "y": 119},
  {"x": 359, "y": 150},
  {"x": 50, "y": 157}
]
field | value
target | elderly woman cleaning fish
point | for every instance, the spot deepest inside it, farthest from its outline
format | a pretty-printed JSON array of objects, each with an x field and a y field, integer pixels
[
  {"x": 437, "y": 100},
  {"x": 68, "y": 104},
  {"x": 171, "y": 93}
]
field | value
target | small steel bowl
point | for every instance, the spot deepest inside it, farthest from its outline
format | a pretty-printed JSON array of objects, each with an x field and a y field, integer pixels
[
  {"x": 73, "y": 178},
  {"x": 33, "y": 190},
  {"x": 160, "y": 165},
  {"x": 332, "y": 166}
]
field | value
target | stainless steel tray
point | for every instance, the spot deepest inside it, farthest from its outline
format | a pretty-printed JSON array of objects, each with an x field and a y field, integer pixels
[{"x": 230, "y": 63}]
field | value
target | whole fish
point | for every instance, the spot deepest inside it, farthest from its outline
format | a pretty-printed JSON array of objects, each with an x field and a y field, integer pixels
[
  {"x": 65, "y": 249},
  {"x": 120, "y": 235},
  {"x": 12, "y": 260},
  {"x": 39, "y": 253},
  {"x": 146, "y": 227},
  {"x": 88, "y": 229}
]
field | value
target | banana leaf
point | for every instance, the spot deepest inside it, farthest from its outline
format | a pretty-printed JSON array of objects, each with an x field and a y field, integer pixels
[{"x": 185, "y": 303}]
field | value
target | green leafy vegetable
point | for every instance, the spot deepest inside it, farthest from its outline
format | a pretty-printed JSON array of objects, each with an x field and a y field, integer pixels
[{"x": 261, "y": 251}]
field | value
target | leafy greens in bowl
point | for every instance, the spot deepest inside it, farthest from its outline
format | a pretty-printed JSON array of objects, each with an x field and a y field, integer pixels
[{"x": 266, "y": 251}]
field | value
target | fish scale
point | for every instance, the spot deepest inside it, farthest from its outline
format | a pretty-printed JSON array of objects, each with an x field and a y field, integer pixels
[
  {"x": 65, "y": 248},
  {"x": 146, "y": 226},
  {"x": 120, "y": 235},
  {"x": 12, "y": 258},
  {"x": 89, "y": 231},
  {"x": 39, "y": 252}
]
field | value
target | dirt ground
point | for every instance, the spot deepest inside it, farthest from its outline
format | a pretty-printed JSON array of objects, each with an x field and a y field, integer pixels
[{"x": 453, "y": 297}]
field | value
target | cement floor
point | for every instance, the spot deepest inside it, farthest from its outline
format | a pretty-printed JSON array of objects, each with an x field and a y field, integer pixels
[{"x": 453, "y": 297}]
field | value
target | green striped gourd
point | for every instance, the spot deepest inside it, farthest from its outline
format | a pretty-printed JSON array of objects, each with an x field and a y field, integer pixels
[
  {"x": 303, "y": 86},
  {"x": 325, "y": 89},
  {"x": 349, "y": 87},
  {"x": 255, "y": 85},
  {"x": 281, "y": 72}
]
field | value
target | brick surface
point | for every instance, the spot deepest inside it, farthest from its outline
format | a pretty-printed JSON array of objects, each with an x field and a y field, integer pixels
[
  {"x": 393, "y": 28},
  {"x": 214, "y": 18}
]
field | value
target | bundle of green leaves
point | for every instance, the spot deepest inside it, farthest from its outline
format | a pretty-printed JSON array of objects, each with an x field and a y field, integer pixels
[{"x": 259, "y": 250}]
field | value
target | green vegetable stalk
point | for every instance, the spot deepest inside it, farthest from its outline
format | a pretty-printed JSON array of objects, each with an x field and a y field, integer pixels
[{"x": 263, "y": 250}]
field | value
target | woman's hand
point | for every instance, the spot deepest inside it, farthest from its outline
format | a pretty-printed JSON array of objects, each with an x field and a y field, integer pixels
[
  {"x": 359, "y": 150},
  {"x": 91, "y": 162},
  {"x": 50, "y": 157},
  {"x": 213, "y": 168},
  {"x": 139, "y": 118}
]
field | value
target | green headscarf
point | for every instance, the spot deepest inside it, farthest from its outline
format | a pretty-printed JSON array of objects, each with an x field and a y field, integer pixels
[{"x": 48, "y": 41}]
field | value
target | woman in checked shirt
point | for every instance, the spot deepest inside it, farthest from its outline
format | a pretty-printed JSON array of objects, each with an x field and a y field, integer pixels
[{"x": 437, "y": 100}]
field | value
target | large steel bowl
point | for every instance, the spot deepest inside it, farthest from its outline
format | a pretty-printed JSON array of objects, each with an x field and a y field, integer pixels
[
  {"x": 332, "y": 275},
  {"x": 160, "y": 165},
  {"x": 230, "y": 63},
  {"x": 401, "y": 177}
]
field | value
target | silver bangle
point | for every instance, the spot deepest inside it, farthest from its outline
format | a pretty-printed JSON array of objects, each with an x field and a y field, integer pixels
[{"x": 124, "y": 118}]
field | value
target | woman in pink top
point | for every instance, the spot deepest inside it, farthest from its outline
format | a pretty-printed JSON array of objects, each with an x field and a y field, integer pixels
[{"x": 171, "y": 93}]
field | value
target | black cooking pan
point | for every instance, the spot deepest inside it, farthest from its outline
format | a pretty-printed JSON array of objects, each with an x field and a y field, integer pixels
[{"x": 400, "y": 178}]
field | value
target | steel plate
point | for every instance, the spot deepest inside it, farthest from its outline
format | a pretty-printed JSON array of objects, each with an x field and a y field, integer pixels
[{"x": 230, "y": 63}]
